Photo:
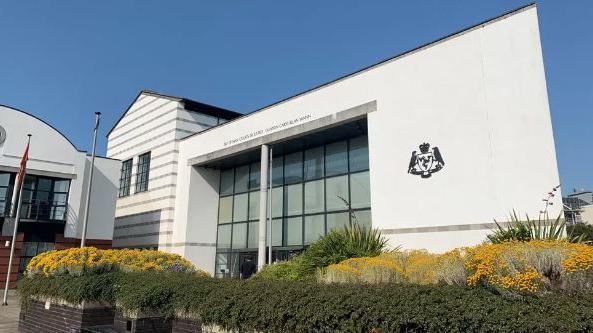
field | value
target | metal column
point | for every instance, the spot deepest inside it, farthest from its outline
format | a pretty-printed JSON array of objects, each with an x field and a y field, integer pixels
[{"x": 263, "y": 203}]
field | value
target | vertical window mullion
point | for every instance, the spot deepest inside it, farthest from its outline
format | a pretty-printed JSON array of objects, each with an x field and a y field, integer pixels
[{"x": 349, "y": 187}]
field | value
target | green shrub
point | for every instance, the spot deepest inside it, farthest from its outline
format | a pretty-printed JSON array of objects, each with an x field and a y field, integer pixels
[
  {"x": 584, "y": 229},
  {"x": 279, "y": 306},
  {"x": 70, "y": 288},
  {"x": 290, "y": 270}
]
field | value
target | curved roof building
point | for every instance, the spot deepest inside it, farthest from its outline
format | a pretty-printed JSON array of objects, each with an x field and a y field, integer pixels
[{"x": 54, "y": 190}]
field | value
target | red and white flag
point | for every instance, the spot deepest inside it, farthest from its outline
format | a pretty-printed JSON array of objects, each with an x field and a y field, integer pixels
[
  {"x": 21, "y": 174},
  {"x": 19, "y": 180}
]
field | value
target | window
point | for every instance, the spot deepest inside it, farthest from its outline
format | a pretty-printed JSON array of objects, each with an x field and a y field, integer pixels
[
  {"x": 241, "y": 179},
  {"x": 293, "y": 199},
  {"x": 125, "y": 178},
  {"x": 337, "y": 220},
  {"x": 253, "y": 205},
  {"x": 293, "y": 168},
  {"x": 5, "y": 193},
  {"x": 143, "y": 172},
  {"x": 227, "y": 179},
  {"x": 44, "y": 198},
  {"x": 59, "y": 200},
  {"x": 314, "y": 197},
  {"x": 294, "y": 231},
  {"x": 277, "y": 232},
  {"x": 30, "y": 250},
  {"x": 277, "y": 171},
  {"x": 225, "y": 210},
  {"x": 360, "y": 190},
  {"x": 336, "y": 158},
  {"x": 314, "y": 228},
  {"x": 277, "y": 200},
  {"x": 337, "y": 193},
  {"x": 224, "y": 236},
  {"x": 240, "y": 208},
  {"x": 313, "y": 163},
  {"x": 359, "y": 154},
  {"x": 254, "y": 175},
  {"x": 362, "y": 217},
  {"x": 253, "y": 240},
  {"x": 239, "y": 235}
]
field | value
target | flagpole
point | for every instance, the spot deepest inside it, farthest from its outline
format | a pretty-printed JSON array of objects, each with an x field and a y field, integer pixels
[
  {"x": 270, "y": 211},
  {"x": 88, "y": 190},
  {"x": 14, "y": 231}
]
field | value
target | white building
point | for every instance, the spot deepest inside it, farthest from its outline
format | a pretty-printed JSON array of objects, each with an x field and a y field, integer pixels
[
  {"x": 54, "y": 190},
  {"x": 428, "y": 146}
]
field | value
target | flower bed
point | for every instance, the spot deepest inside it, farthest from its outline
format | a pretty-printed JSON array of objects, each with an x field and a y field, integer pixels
[
  {"x": 532, "y": 267},
  {"x": 90, "y": 260},
  {"x": 75, "y": 289}
]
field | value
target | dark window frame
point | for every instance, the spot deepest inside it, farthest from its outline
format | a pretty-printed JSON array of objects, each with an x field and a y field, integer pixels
[
  {"x": 125, "y": 178},
  {"x": 143, "y": 173},
  {"x": 6, "y": 200},
  {"x": 34, "y": 208}
]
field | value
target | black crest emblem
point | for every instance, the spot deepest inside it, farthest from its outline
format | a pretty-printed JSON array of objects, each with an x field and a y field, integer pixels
[{"x": 427, "y": 162}]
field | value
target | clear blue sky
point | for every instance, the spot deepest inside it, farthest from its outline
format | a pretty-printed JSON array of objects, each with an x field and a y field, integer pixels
[{"x": 64, "y": 60}]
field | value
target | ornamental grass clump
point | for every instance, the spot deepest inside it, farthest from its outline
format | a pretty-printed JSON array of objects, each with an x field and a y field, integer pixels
[{"x": 90, "y": 260}]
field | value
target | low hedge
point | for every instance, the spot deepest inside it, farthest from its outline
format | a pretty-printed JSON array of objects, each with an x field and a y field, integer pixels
[{"x": 279, "y": 306}]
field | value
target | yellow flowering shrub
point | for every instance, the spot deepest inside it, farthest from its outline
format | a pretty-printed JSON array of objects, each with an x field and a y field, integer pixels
[
  {"x": 78, "y": 261},
  {"x": 418, "y": 266},
  {"x": 526, "y": 267},
  {"x": 519, "y": 266},
  {"x": 578, "y": 268}
]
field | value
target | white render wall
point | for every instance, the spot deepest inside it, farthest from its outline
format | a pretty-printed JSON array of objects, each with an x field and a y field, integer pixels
[
  {"x": 51, "y": 154},
  {"x": 480, "y": 96},
  {"x": 153, "y": 123}
]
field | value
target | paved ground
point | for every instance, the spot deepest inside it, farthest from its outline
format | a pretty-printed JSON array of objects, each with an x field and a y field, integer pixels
[{"x": 9, "y": 315}]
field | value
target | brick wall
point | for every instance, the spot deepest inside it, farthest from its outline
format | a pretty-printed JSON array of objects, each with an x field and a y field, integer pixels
[
  {"x": 4, "y": 258},
  {"x": 67, "y": 243},
  {"x": 61, "y": 318}
]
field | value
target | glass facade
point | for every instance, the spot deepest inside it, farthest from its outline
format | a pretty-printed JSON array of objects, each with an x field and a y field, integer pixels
[{"x": 314, "y": 191}]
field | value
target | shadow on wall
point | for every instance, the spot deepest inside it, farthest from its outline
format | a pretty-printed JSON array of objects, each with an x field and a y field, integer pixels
[
  {"x": 104, "y": 193},
  {"x": 71, "y": 221}
]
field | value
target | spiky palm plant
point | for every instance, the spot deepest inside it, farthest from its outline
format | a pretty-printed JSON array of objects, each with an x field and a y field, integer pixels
[
  {"x": 541, "y": 229},
  {"x": 349, "y": 242}
]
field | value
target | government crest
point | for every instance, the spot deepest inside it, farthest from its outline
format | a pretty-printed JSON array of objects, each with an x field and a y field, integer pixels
[
  {"x": 426, "y": 162},
  {"x": 2, "y": 135}
]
